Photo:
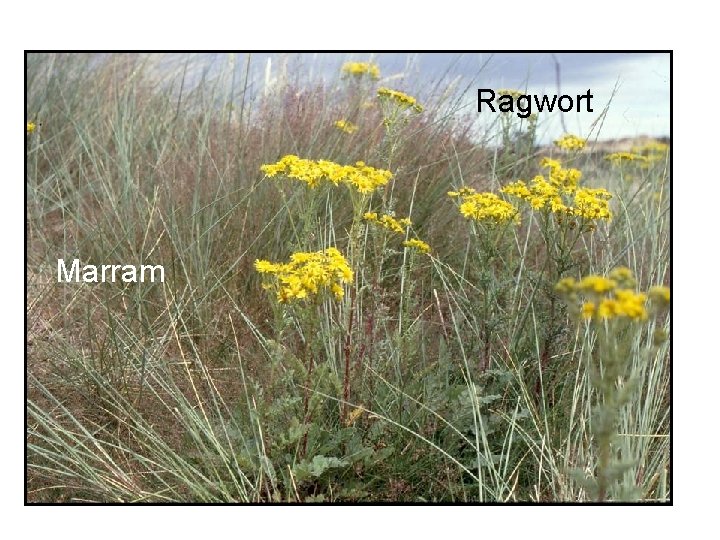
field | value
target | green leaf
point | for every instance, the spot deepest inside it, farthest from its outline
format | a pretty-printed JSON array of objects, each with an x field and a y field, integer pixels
[{"x": 318, "y": 466}]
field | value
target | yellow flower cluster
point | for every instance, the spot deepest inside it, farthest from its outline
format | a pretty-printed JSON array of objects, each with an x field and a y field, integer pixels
[
  {"x": 652, "y": 152},
  {"x": 596, "y": 285},
  {"x": 570, "y": 142},
  {"x": 462, "y": 192},
  {"x": 592, "y": 204},
  {"x": 623, "y": 277},
  {"x": 31, "y": 127},
  {"x": 620, "y": 157},
  {"x": 508, "y": 92},
  {"x": 400, "y": 98},
  {"x": 359, "y": 69},
  {"x": 608, "y": 297},
  {"x": 388, "y": 222},
  {"x": 414, "y": 243},
  {"x": 346, "y": 126},
  {"x": 308, "y": 274},
  {"x": 547, "y": 193},
  {"x": 564, "y": 179},
  {"x": 659, "y": 294},
  {"x": 604, "y": 299},
  {"x": 652, "y": 147},
  {"x": 398, "y": 226},
  {"x": 623, "y": 303},
  {"x": 485, "y": 206},
  {"x": 360, "y": 176},
  {"x": 540, "y": 194}
]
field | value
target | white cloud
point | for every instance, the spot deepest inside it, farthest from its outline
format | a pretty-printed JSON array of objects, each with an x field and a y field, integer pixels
[{"x": 641, "y": 105}]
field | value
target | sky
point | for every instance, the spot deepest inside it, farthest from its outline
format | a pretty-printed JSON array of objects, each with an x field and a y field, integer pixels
[
  {"x": 640, "y": 106},
  {"x": 640, "y": 81}
]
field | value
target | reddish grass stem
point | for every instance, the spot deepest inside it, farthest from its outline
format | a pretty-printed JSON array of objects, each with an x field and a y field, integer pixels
[{"x": 348, "y": 343}]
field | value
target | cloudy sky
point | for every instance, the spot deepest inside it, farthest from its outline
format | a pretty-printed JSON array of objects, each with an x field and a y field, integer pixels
[{"x": 640, "y": 106}]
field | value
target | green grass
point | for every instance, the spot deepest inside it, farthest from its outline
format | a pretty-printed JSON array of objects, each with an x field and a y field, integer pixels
[{"x": 457, "y": 376}]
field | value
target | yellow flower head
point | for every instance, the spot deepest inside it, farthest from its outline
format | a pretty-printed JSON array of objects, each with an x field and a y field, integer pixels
[
  {"x": 592, "y": 204},
  {"x": 564, "y": 179},
  {"x": 31, "y": 127},
  {"x": 518, "y": 189},
  {"x": 549, "y": 163},
  {"x": 358, "y": 69},
  {"x": 346, "y": 126},
  {"x": 608, "y": 299},
  {"x": 414, "y": 243},
  {"x": 366, "y": 179},
  {"x": 630, "y": 304},
  {"x": 508, "y": 92},
  {"x": 653, "y": 147},
  {"x": 555, "y": 193},
  {"x": 596, "y": 284},
  {"x": 588, "y": 310},
  {"x": 462, "y": 192},
  {"x": 400, "y": 99},
  {"x": 266, "y": 267},
  {"x": 570, "y": 142},
  {"x": 486, "y": 207},
  {"x": 566, "y": 285},
  {"x": 652, "y": 151},
  {"x": 389, "y": 222},
  {"x": 360, "y": 176},
  {"x": 308, "y": 274},
  {"x": 660, "y": 295},
  {"x": 623, "y": 276},
  {"x": 618, "y": 158}
]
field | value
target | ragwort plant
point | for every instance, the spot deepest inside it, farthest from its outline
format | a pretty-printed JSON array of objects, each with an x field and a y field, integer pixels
[
  {"x": 616, "y": 315},
  {"x": 564, "y": 212}
]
